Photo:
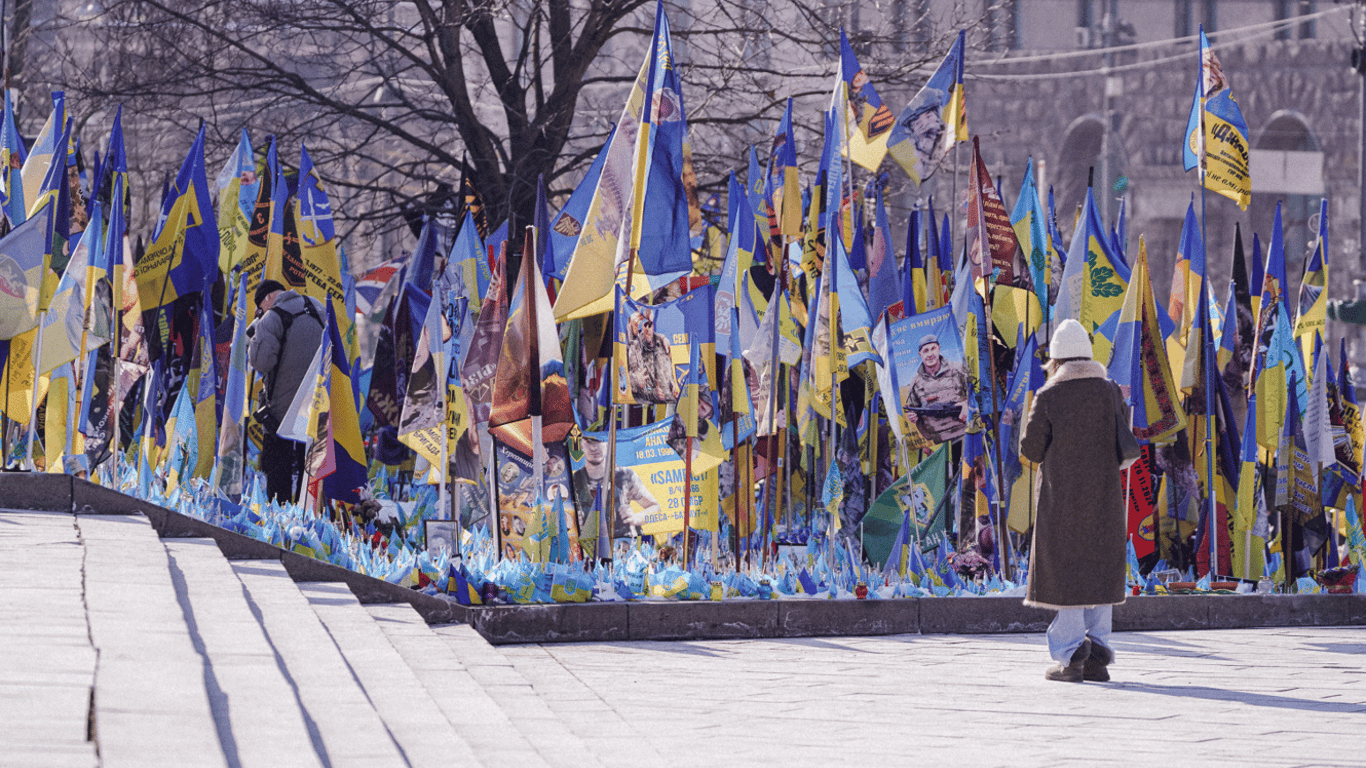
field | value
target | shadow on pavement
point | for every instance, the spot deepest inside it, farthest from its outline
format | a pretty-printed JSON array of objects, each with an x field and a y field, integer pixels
[
  {"x": 1355, "y": 649},
  {"x": 1255, "y": 699}
]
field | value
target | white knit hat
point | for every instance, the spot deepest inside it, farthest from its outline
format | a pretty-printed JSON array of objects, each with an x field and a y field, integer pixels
[{"x": 1070, "y": 340}]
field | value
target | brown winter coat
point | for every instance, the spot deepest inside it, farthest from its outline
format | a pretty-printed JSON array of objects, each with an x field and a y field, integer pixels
[{"x": 1078, "y": 555}]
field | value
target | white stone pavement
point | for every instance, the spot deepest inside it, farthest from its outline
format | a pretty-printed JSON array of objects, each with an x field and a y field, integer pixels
[{"x": 117, "y": 648}]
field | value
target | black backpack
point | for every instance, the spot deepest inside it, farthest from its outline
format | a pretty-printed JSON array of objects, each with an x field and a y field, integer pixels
[{"x": 262, "y": 414}]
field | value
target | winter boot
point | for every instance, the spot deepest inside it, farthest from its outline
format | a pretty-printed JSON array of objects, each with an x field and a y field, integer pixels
[
  {"x": 1095, "y": 668},
  {"x": 1072, "y": 672}
]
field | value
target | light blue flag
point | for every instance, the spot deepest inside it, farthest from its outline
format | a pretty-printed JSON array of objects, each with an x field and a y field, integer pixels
[
  {"x": 896, "y": 564},
  {"x": 739, "y": 252},
  {"x": 227, "y": 471},
  {"x": 855, "y": 321},
  {"x": 12, "y": 151},
  {"x": 467, "y": 266},
  {"x": 44, "y": 153},
  {"x": 241, "y": 162}
]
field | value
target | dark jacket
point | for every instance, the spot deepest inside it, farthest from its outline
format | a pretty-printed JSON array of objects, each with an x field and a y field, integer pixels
[
  {"x": 1074, "y": 433},
  {"x": 269, "y": 347}
]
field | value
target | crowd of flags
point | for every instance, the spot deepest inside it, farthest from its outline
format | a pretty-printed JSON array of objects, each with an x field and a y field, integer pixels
[{"x": 775, "y": 383}]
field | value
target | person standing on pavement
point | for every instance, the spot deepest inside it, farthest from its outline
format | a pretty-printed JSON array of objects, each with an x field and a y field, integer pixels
[
  {"x": 282, "y": 341},
  {"x": 1078, "y": 431}
]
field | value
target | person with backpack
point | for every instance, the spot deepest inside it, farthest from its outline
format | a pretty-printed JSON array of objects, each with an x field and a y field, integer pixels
[{"x": 287, "y": 331}]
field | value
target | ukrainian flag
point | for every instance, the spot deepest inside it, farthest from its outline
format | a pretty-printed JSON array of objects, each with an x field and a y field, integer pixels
[
  {"x": 24, "y": 255},
  {"x": 183, "y": 256},
  {"x": 343, "y": 425}
]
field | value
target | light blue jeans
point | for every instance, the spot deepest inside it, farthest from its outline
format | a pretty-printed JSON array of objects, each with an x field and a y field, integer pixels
[{"x": 1073, "y": 625}]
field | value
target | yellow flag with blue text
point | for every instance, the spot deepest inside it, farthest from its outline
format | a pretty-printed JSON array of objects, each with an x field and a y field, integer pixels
[
  {"x": 1216, "y": 133},
  {"x": 1313, "y": 289}
]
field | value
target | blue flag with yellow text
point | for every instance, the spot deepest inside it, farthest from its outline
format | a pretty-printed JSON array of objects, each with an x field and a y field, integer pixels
[{"x": 183, "y": 256}]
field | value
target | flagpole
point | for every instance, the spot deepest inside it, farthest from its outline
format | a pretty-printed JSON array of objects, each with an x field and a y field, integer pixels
[
  {"x": 33, "y": 401},
  {"x": 5, "y": 424},
  {"x": 737, "y": 480},
  {"x": 1207, "y": 366}
]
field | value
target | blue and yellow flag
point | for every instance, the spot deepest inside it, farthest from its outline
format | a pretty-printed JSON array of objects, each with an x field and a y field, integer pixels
[
  {"x": 47, "y": 148},
  {"x": 237, "y": 188},
  {"x": 64, "y": 322},
  {"x": 639, "y": 184},
  {"x": 1029, "y": 223},
  {"x": 568, "y": 223},
  {"x": 934, "y": 121},
  {"x": 855, "y": 321},
  {"x": 1279, "y": 365},
  {"x": 24, "y": 256},
  {"x": 1139, "y": 364},
  {"x": 883, "y": 280},
  {"x": 740, "y": 253},
  {"x": 343, "y": 425},
  {"x": 467, "y": 266},
  {"x": 869, "y": 121},
  {"x": 12, "y": 155},
  {"x": 1188, "y": 277},
  {"x": 183, "y": 256},
  {"x": 1251, "y": 525},
  {"x": 1216, "y": 133},
  {"x": 1093, "y": 280},
  {"x": 916, "y": 292},
  {"x": 318, "y": 254},
  {"x": 1313, "y": 309},
  {"x": 782, "y": 191}
]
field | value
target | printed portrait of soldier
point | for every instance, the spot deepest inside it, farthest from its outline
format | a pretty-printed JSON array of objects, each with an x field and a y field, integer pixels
[
  {"x": 627, "y": 485},
  {"x": 649, "y": 363},
  {"x": 937, "y": 398}
]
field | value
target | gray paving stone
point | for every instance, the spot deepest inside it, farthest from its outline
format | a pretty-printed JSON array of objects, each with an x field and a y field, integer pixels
[
  {"x": 343, "y": 719},
  {"x": 76, "y": 754},
  {"x": 1287, "y": 696}
]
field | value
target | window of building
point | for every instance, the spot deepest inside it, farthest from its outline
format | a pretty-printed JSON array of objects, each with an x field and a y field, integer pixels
[
  {"x": 1290, "y": 9},
  {"x": 1191, "y": 15},
  {"x": 1298, "y": 189},
  {"x": 1002, "y": 21}
]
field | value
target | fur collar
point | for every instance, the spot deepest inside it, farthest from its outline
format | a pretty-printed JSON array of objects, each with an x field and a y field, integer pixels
[{"x": 1076, "y": 369}]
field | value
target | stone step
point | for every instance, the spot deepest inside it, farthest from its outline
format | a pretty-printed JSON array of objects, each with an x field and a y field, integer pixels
[
  {"x": 424, "y": 735},
  {"x": 47, "y": 667},
  {"x": 151, "y": 701},
  {"x": 260, "y": 722},
  {"x": 347, "y": 729},
  {"x": 554, "y": 738},
  {"x": 493, "y": 736},
  {"x": 616, "y": 742}
]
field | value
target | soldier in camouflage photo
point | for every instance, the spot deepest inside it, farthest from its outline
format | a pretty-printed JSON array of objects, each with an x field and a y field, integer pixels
[{"x": 937, "y": 399}]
